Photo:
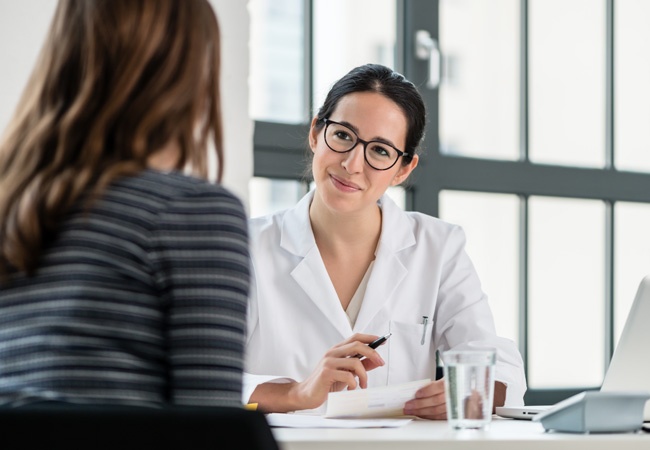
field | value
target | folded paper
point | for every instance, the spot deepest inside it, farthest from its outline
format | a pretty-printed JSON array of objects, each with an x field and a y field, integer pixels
[{"x": 383, "y": 401}]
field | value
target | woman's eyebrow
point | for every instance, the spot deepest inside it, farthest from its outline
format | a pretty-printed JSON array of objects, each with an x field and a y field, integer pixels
[{"x": 375, "y": 139}]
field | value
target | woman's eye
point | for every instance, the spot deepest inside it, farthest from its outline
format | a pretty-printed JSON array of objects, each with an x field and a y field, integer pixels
[
  {"x": 343, "y": 136},
  {"x": 380, "y": 151}
]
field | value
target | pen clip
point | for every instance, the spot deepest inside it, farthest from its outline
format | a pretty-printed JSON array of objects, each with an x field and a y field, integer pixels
[{"x": 425, "y": 320}]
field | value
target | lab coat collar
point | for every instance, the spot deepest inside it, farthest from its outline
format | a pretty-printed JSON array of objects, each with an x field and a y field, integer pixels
[
  {"x": 298, "y": 238},
  {"x": 310, "y": 273},
  {"x": 396, "y": 227},
  {"x": 387, "y": 274},
  {"x": 388, "y": 271}
]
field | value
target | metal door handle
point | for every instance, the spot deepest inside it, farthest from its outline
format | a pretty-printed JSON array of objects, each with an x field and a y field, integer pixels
[{"x": 426, "y": 48}]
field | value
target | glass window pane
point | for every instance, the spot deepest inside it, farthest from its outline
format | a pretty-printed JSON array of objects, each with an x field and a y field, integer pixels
[
  {"x": 277, "y": 89},
  {"x": 268, "y": 195},
  {"x": 348, "y": 34},
  {"x": 566, "y": 292},
  {"x": 632, "y": 90},
  {"x": 631, "y": 257},
  {"x": 567, "y": 82},
  {"x": 491, "y": 226},
  {"x": 479, "y": 90}
]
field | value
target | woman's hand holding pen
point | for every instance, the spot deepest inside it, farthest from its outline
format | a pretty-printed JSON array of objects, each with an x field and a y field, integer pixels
[
  {"x": 429, "y": 402},
  {"x": 340, "y": 368}
]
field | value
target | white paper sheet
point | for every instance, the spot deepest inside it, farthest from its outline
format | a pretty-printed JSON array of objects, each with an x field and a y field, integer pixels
[
  {"x": 312, "y": 421},
  {"x": 384, "y": 401}
]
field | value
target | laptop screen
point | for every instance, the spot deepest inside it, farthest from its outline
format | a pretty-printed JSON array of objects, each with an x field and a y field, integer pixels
[{"x": 629, "y": 368}]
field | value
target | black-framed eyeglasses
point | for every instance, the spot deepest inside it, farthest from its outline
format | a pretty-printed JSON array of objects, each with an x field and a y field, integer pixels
[{"x": 342, "y": 139}]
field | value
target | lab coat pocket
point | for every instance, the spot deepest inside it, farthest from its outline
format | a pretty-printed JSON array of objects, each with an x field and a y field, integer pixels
[{"x": 410, "y": 356}]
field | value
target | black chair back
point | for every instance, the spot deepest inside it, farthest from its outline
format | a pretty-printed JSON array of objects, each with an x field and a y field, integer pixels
[{"x": 54, "y": 427}]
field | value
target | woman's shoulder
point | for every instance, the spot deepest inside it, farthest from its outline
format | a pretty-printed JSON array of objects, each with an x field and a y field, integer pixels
[
  {"x": 416, "y": 221},
  {"x": 266, "y": 224},
  {"x": 429, "y": 221},
  {"x": 159, "y": 200},
  {"x": 430, "y": 231},
  {"x": 169, "y": 188},
  {"x": 175, "y": 184},
  {"x": 295, "y": 217}
]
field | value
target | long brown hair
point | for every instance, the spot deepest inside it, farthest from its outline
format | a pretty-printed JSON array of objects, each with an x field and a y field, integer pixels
[{"x": 115, "y": 81}]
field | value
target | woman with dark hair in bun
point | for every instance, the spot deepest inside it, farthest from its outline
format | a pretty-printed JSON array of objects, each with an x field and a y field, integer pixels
[{"x": 346, "y": 265}]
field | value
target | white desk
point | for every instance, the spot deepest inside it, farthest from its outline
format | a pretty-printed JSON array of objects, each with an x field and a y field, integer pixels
[{"x": 503, "y": 434}]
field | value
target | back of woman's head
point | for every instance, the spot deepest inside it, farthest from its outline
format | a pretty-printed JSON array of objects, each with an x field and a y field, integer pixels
[
  {"x": 115, "y": 82},
  {"x": 393, "y": 85}
]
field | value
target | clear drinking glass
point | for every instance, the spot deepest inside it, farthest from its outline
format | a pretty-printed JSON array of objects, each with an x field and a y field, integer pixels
[{"x": 469, "y": 387}]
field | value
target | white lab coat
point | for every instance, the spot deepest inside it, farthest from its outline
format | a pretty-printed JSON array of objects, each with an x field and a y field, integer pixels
[{"x": 420, "y": 269}]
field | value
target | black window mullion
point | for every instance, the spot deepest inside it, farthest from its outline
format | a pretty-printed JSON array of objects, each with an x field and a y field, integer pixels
[
  {"x": 423, "y": 189},
  {"x": 523, "y": 279},
  {"x": 279, "y": 150},
  {"x": 523, "y": 202},
  {"x": 608, "y": 285}
]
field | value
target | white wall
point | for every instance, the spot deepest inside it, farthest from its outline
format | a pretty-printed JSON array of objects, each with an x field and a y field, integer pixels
[
  {"x": 23, "y": 24},
  {"x": 235, "y": 24}
]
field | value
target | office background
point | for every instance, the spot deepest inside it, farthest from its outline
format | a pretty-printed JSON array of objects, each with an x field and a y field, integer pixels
[{"x": 538, "y": 141}]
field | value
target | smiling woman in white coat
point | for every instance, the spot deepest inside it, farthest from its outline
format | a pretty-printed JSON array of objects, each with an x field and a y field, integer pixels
[{"x": 346, "y": 265}]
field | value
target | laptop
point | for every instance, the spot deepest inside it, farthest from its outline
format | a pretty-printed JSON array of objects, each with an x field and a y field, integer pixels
[
  {"x": 629, "y": 368},
  {"x": 520, "y": 412}
]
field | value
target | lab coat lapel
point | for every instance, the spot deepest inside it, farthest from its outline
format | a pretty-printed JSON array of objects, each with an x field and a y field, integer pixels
[
  {"x": 310, "y": 273},
  {"x": 388, "y": 271}
]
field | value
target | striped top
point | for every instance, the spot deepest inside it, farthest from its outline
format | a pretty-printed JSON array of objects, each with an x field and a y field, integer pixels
[{"x": 139, "y": 301}]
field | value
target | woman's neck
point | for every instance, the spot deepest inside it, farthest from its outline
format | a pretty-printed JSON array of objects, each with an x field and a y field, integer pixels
[
  {"x": 345, "y": 232},
  {"x": 165, "y": 159}
]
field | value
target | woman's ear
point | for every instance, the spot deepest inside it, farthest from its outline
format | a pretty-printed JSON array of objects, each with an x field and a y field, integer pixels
[
  {"x": 404, "y": 171},
  {"x": 313, "y": 134}
]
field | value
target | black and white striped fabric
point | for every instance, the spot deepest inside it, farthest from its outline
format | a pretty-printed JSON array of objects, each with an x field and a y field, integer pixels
[{"x": 139, "y": 301}]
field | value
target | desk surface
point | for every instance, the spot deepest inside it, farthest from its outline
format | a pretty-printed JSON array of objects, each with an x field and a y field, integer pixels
[{"x": 502, "y": 434}]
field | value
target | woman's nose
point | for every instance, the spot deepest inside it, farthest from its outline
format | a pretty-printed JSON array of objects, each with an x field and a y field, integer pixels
[{"x": 354, "y": 159}]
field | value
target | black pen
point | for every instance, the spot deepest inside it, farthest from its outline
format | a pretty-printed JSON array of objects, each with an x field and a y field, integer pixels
[{"x": 376, "y": 343}]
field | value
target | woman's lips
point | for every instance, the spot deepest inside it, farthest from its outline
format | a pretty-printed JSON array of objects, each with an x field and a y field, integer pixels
[{"x": 343, "y": 185}]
